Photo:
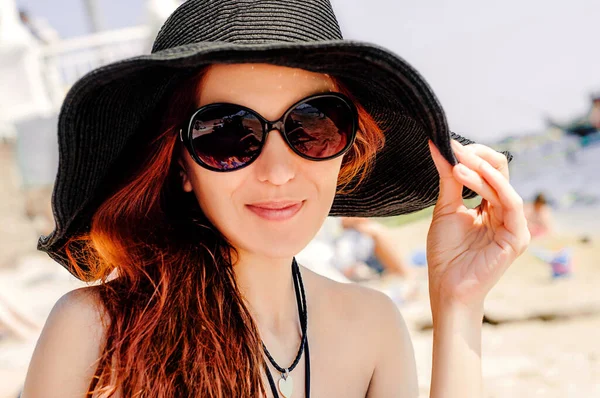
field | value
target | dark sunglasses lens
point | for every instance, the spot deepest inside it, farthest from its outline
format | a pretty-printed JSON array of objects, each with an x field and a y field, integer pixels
[
  {"x": 320, "y": 128},
  {"x": 226, "y": 137}
]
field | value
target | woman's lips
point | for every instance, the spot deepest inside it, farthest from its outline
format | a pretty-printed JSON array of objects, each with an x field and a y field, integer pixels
[{"x": 274, "y": 212}]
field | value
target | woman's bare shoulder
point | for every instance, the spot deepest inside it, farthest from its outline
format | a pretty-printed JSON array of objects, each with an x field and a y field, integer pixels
[
  {"x": 80, "y": 310},
  {"x": 69, "y": 346},
  {"x": 372, "y": 326},
  {"x": 360, "y": 303}
]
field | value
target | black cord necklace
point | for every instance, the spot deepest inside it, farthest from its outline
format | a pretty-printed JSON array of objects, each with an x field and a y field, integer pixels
[{"x": 285, "y": 383}]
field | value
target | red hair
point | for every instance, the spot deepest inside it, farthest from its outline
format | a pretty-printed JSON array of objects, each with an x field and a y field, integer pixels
[{"x": 176, "y": 324}]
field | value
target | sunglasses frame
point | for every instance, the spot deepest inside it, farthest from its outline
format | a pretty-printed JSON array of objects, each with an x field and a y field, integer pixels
[{"x": 268, "y": 126}]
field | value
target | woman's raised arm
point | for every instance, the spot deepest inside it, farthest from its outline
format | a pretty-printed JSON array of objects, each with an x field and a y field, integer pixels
[{"x": 468, "y": 250}]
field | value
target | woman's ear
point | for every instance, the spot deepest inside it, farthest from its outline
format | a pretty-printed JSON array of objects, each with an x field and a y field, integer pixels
[{"x": 186, "y": 183}]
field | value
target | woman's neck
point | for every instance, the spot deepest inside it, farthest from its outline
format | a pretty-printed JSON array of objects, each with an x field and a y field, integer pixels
[{"x": 267, "y": 286}]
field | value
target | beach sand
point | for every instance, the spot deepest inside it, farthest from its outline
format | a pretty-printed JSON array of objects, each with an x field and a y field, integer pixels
[{"x": 542, "y": 339}]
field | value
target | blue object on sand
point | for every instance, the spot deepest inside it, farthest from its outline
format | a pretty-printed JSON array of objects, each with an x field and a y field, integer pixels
[
  {"x": 562, "y": 265},
  {"x": 419, "y": 258}
]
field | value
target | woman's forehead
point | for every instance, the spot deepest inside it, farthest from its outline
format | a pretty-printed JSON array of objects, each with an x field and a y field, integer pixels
[{"x": 258, "y": 86}]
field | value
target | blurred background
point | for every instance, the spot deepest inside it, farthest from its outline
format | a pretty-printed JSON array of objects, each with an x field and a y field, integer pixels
[{"x": 515, "y": 75}]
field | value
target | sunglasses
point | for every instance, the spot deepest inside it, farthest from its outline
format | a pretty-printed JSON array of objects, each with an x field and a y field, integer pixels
[{"x": 227, "y": 137}]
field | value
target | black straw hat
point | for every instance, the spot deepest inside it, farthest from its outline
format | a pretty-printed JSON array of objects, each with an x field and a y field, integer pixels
[{"x": 108, "y": 106}]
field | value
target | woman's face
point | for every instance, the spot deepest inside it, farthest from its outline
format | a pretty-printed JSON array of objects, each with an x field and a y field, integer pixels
[{"x": 234, "y": 201}]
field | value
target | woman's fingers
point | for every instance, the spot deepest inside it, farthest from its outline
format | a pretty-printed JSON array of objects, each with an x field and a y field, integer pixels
[
  {"x": 467, "y": 171},
  {"x": 496, "y": 159},
  {"x": 450, "y": 196},
  {"x": 512, "y": 203},
  {"x": 485, "y": 171},
  {"x": 477, "y": 183},
  {"x": 493, "y": 186}
]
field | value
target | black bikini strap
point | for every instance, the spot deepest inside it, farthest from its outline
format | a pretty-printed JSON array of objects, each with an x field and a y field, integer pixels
[{"x": 301, "y": 302}]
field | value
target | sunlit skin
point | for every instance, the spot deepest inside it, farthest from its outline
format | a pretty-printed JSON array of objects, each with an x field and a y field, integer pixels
[
  {"x": 277, "y": 174},
  {"x": 266, "y": 248},
  {"x": 360, "y": 345},
  {"x": 464, "y": 264}
]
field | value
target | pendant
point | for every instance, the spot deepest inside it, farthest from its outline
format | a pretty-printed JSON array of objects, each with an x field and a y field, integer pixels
[{"x": 286, "y": 384}]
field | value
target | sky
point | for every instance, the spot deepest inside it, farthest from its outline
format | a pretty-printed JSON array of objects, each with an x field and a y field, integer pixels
[
  {"x": 498, "y": 68},
  {"x": 68, "y": 17}
]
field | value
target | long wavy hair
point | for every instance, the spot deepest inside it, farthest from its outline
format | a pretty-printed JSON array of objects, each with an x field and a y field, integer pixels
[{"x": 175, "y": 322}]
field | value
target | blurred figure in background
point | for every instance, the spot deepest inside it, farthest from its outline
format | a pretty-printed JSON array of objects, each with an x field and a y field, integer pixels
[
  {"x": 354, "y": 249},
  {"x": 541, "y": 225},
  {"x": 366, "y": 248},
  {"x": 358, "y": 249},
  {"x": 539, "y": 217}
]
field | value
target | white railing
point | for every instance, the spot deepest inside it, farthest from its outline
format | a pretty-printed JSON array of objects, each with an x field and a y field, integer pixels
[
  {"x": 68, "y": 60},
  {"x": 35, "y": 77}
]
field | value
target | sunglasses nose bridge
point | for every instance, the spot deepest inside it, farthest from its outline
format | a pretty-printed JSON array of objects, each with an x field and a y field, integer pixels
[{"x": 277, "y": 125}]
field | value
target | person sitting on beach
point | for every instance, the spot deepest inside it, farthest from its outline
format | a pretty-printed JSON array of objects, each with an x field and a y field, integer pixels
[
  {"x": 209, "y": 300},
  {"x": 540, "y": 223},
  {"x": 357, "y": 247},
  {"x": 539, "y": 217},
  {"x": 367, "y": 248}
]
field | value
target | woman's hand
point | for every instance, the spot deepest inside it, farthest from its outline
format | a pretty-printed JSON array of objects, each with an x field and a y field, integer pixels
[{"x": 468, "y": 250}]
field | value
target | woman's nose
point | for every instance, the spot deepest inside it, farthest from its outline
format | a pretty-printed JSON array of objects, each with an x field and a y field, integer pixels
[{"x": 277, "y": 163}]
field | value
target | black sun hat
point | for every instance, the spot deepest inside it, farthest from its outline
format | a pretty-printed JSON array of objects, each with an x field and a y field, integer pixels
[{"x": 108, "y": 106}]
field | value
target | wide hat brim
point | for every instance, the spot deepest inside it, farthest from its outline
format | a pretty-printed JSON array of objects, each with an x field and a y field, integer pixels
[{"x": 109, "y": 105}]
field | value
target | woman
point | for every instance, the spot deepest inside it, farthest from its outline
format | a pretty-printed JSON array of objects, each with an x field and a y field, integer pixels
[{"x": 191, "y": 177}]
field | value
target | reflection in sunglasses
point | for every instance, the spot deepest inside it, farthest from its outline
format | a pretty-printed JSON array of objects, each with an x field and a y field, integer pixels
[
  {"x": 227, "y": 137},
  {"x": 316, "y": 135},
  {"x": 228, "y": 141}
]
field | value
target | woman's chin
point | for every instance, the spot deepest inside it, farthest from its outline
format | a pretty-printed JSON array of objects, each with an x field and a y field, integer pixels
[
  {"x": 278, "y": 245},
  {"x": 282, "y": 248}
]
